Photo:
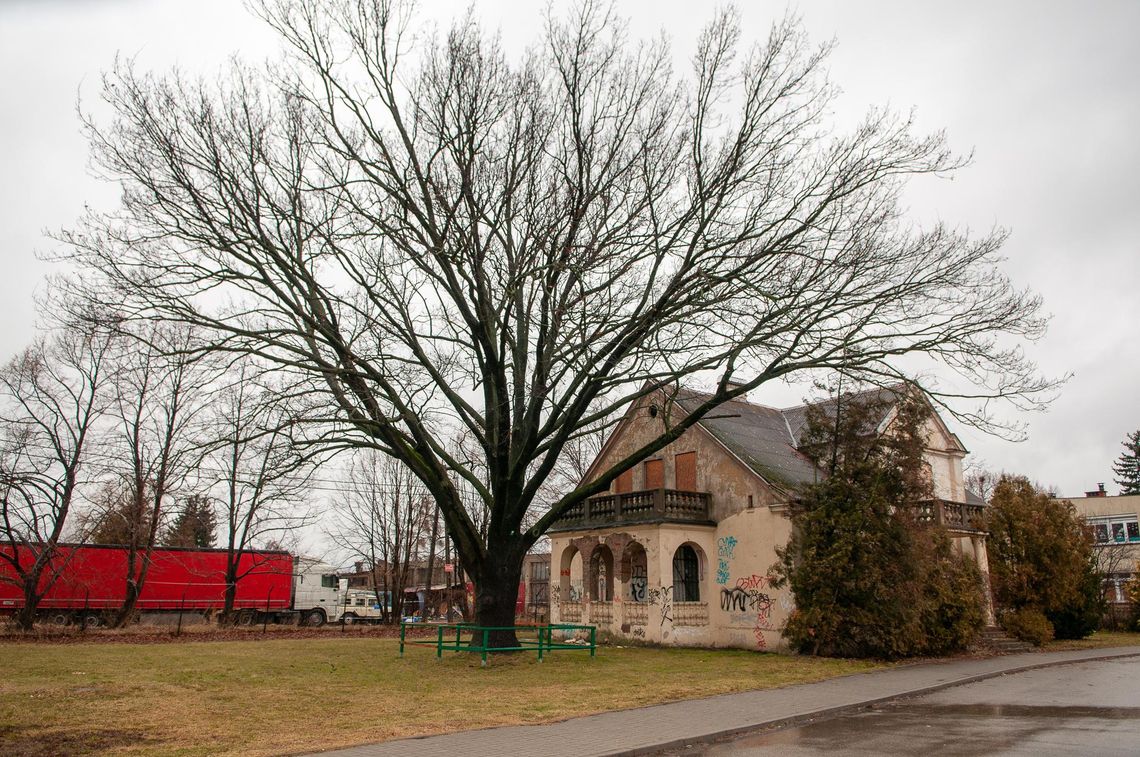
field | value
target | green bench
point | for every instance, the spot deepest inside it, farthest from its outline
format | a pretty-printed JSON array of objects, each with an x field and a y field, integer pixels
[{"x": 542, "y": 641}]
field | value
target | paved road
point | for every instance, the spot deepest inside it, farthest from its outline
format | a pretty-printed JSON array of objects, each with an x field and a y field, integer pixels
[
  {"x": 1090, "y": 708},
  {"x": 649, "y": 730}
]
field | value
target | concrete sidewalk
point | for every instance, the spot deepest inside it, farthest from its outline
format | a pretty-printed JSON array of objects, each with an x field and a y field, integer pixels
[{"x": 650, "y": 729}]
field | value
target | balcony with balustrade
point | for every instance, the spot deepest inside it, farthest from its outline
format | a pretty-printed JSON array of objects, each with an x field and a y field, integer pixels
[
  {"x": 956, "y": 517},
  {"x": 645, "y": 506}
]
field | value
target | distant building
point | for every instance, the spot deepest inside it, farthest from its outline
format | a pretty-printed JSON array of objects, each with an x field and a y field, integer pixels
[
  {"x": 536, "y": 587},
  {"x": 444, "y": 589},
  {"x": 1115, "y": 530},
  {"x": 679, "y": 551}
]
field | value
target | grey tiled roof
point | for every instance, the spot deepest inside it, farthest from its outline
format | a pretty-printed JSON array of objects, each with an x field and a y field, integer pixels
[
  {"x": 765, "y": 438},
  {"x": 759, "y": 436},
  {"x": 797, "y": 416}
]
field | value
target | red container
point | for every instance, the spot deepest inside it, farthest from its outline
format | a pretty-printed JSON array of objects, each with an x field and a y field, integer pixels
[{"x": 94, "y": 577}]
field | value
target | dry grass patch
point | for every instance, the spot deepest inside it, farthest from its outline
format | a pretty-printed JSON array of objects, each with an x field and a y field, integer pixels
[
  {"x": 1098, "y": 640},
  {"x": 288, "y": 696}
]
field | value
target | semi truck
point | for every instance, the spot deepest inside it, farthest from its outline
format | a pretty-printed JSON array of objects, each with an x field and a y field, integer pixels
[{"x": 90, "y": 583}]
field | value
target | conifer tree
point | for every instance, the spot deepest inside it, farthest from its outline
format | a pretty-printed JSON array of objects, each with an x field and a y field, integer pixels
[
  {"x": 194, "y": 525},
  {"x": 870, "y": 576},
  {"x": 1127, "y": 467}
]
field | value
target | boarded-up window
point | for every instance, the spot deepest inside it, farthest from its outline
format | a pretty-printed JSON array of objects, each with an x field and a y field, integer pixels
[
  {"x": 686, "y": 468},
  {"x": 624, "y": 482},
  {"x": 654, "y": 474}
]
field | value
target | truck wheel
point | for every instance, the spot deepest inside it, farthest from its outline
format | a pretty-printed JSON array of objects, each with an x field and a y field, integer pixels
[
  {"x": 246, "y": 618},
  {"x": 315, "y": 618},
  {"x": 92, "y": 621},
  {"x": 59, "y": 619},
  {"x": 350, "y": 618}
]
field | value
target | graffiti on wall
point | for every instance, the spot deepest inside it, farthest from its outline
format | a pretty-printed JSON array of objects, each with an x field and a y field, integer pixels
[
  {"x": 754, "y": 581},
  {"x": 664, "y": 598},
  {"x": 725, "y": 546},
  {"x": 748, "y": 604}
]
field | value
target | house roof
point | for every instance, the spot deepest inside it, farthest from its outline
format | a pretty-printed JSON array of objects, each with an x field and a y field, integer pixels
[
  {"x": 797, "y": 416},
  {"x": 766, "y": 438},
  {"x": 760, "y": 436}
]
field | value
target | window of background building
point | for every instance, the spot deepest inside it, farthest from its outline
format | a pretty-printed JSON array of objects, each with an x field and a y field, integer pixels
[{"x": 1115, "y": 529}]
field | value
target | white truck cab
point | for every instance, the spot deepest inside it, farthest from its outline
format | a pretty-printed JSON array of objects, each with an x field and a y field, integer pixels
[{"x": 317, "y": 592}]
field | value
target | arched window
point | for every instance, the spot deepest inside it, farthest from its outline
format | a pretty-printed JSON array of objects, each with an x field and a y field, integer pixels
[
  {"x": 686, "y": 575},
  {"x": 570, "y": 584},
  {"x": 636, "y": 566},
  {"x": 601, "y": 575}
]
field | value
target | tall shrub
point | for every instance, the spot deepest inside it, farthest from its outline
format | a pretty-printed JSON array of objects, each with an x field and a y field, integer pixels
[{"x": 1041, "y": 561}]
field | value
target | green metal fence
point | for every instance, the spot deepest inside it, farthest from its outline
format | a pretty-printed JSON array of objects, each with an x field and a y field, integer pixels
[{"x": 450, "y": 638}]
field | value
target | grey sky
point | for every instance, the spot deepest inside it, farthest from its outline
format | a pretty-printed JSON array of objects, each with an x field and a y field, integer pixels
[{"x": 1045, "y": 94}]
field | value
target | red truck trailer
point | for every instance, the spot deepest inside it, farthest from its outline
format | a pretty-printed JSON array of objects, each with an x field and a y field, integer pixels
[{"x": 92, "y": 580}]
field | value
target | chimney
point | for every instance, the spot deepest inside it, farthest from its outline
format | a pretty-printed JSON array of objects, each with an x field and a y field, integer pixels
[
  {"x": 732, "y": 386},
  {"x": 359, "y": 566},
  {"x": 1100, "y": 492}
]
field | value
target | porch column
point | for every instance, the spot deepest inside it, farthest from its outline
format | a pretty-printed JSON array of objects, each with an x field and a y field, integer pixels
[{"x": 982, "y": 559}]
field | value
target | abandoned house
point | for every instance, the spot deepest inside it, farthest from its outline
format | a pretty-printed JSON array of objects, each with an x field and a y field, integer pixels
[{"x": 679, "y": 551}]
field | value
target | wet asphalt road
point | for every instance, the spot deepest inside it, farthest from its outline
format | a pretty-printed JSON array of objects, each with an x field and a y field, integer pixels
[{"x": 1081, "y": 709}]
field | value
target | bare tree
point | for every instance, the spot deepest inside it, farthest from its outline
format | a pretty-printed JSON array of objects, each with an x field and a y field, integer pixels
[
  {"x": 52, "y": 395},
  {"x": 441, "y": 240},
  {"x": 381, "y": 519},
  {"x": 260, "y": 474},
  {"x": 159, "y": 393}
]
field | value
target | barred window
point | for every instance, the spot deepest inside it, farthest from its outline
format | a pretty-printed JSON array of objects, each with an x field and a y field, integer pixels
[{"x": 686, "y": 575}]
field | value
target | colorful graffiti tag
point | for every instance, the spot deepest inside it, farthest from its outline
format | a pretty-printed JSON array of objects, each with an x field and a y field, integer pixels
[{"x": 725, "y": 546}]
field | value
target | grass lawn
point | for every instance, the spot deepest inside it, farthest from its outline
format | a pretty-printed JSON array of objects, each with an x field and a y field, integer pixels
[
  {"x": 1096, "y": 641},
  {"x": 297, "y": 695}
]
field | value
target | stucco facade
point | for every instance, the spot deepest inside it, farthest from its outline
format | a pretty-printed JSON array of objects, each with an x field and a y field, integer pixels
[{"x": 626, "y": 564}]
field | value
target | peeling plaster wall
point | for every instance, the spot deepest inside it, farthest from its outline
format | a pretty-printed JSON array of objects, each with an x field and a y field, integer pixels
[{"x": 748, "y": 611}]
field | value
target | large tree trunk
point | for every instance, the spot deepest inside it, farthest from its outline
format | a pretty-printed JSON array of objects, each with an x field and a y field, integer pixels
[
  {"x": 496, "y": 593},
  {"x": 26, "y": 616}
]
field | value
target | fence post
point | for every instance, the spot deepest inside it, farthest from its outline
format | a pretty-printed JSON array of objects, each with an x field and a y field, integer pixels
[
  {"x": 593, "y": 639},
  {"x": 540, "y": 635},
  {"x": 403, "y": 629},
  {"x": 181, "y": 609},
  {"x": 485, "y": 632},
  {"x": 439, "y": 643},
  {"x": 265, "y": 622}
]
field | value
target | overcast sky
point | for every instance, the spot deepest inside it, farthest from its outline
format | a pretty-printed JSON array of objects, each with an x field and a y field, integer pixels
[{"x": 1045, "y": 94}]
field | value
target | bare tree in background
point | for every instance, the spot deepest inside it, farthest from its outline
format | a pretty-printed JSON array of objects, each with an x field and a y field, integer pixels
[
  {"x": 260, "y": 475},
  {"x": 159, "y": 394},
  {"x": 52, "y": 395},
  {"x": 441, "y": 240},
  {"x": 381, "y": 518}
]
